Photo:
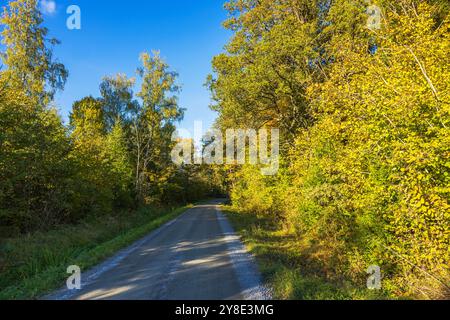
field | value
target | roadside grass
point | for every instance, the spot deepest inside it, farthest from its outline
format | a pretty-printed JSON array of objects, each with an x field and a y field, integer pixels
[
  {"x": 282, "y": 263},
  {"x": 34, "y": 265}
]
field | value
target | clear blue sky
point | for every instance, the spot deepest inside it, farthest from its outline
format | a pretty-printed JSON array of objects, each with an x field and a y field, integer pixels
[{"x": 187, "y": 32}]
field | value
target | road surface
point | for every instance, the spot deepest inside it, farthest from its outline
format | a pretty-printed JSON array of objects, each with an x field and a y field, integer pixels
[{"x": 197, "y": 256}]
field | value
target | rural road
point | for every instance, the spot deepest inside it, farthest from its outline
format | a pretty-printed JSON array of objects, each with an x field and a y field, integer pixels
[{"x": 195, "y": 257}]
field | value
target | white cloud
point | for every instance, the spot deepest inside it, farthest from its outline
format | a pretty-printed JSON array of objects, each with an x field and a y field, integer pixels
[{"x": 48, "y": 6}]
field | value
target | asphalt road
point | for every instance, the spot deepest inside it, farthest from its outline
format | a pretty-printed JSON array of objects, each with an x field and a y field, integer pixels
[{"x": 197, "y": 256}]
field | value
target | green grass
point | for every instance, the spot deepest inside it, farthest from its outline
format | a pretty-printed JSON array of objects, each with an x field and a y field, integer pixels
[
  {"x": 285, "y": 267},
  {"x": 34, "y": 265}
]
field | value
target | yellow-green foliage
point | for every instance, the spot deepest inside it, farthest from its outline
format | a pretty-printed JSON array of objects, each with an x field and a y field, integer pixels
[
  {"x": 366, "y": 182},
  {"x": 114, "y": 155},
  {"x": 94, "y": 172},
  {"x": 381, "y": 147}
]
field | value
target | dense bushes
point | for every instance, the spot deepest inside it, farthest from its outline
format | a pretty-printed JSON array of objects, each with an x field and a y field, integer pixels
[
  {"x": 35, "y": 171},
  {"x": 365, "y": 179}
]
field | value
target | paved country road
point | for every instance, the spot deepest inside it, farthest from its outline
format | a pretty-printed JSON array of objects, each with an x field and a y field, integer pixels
[{"x": 197, "y": 256}]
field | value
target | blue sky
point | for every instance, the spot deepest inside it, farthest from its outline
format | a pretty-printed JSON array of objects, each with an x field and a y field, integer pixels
[{"x": 187, "y": 32}]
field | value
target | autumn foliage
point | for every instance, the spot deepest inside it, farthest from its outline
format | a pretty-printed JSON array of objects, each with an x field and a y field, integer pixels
[{"x": 365, "y": 119}]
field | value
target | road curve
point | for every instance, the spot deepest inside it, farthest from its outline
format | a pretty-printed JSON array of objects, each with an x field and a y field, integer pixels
[{"x": 195, "y": 257}]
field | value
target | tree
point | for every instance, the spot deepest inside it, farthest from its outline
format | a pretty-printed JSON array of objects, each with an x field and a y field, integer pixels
[
  {"x": 121, "y": 167},
  {"x": 94, "y": 179},
  {"x": 35, "y": 172},
  {"x": 87, "y": 118},
  {"x": 271, "y": 60},
  {"x": 117, "y": 99},
  {"x": 34, "y": 166},
  {"x": 152, "y": 123},
  {"x": 29, "y": 61}
]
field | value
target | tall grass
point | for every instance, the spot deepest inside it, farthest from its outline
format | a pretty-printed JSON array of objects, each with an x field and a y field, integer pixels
[
  {"x": 287, "y": 267},
  {"x": 34, "y": 264}
]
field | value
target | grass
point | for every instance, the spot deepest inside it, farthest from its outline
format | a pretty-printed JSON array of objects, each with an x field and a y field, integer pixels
[
  {"x": 284, "y": 266},
  {"x": 34, "y": 265}
]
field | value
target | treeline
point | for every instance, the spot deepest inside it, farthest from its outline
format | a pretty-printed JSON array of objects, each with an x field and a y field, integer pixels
[
  {"x": 364, "y": 115},
  {"x": 113, "y": 155}
]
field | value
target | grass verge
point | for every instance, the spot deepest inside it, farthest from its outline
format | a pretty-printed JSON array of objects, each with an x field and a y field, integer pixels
[
  {"x": 282, "y": 263},
  {"x": 34, "y": 265}
]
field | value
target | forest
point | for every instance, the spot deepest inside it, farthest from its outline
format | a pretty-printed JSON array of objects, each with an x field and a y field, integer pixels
[
  {"x": 364, "y": 119},
  {"x": 363, "y": 114},
  {"x": 115, "y": 151}
]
